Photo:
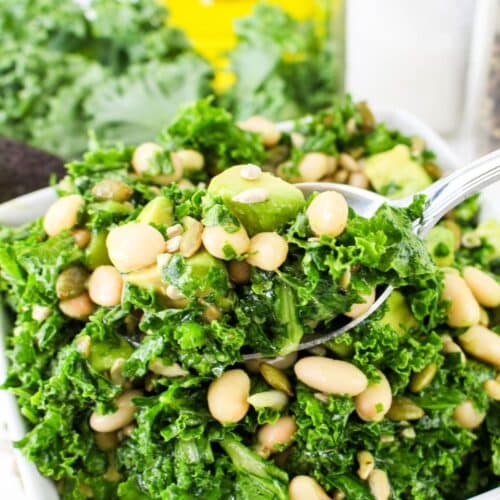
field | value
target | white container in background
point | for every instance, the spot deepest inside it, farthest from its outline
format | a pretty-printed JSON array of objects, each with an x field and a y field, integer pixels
[{"x": 410, "y": 54}]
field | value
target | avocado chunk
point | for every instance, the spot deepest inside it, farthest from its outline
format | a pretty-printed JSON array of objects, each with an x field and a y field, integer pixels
[
  {"x": 282, "y": 204},
  {"x": 490, "y": 231},
  {"x": 202, "y": 276},
  {"x": 148, "y": 278},
  {"x": 104, "y": 353},
  {"x": 398, "y": 314},
  {"x": 395, "y": 173},
  {"x": 159, "y": 210},
  {"x": 440, "y": 243},
  {"x": 96, "y": 253}
]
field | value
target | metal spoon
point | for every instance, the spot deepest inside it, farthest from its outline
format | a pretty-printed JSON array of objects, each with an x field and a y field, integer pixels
[{"x": 442, "y": 196}]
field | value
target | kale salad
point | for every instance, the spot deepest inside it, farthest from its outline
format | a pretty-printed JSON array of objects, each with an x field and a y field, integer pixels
[{"x": 136, "y": 297}]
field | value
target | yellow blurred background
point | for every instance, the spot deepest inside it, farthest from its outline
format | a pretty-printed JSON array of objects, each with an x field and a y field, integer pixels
[{"x": 209, "y": 24}]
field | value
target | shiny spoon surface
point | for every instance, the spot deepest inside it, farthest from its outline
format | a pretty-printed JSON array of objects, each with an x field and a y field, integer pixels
[{"x": 442, "y": 196}]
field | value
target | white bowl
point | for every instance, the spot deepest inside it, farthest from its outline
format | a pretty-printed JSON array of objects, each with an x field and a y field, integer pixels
[{"x": 33, "y": 205}]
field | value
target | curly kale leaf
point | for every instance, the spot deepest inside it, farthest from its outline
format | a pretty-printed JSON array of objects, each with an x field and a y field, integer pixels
[
  {"x": 283, "y": 67},
  {"x": 134, "y": 107},
  {"x": 212, "y": 131},
  {"x": 114, "y": 34},
  {"x": 255, "y": 477},
  {"x": 29, "y": 77},
  {"x": 171, "y": 453},
  {"x": 59, "y": 434}
]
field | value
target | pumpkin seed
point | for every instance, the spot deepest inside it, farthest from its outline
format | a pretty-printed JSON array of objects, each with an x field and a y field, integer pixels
[{"x": 276, "y": 378}]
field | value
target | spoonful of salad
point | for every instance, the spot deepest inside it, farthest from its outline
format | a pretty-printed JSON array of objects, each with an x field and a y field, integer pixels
[{"x": 328, "y": 213}]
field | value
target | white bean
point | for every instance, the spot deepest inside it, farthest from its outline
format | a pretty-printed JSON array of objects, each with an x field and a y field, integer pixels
[
  {"x": 80, "y": 307},
  {"x": 123, "y": 415},
  {"x": 228, "y": 396},
  {"x": 306, "y": 488},
  {"x": 190, "y": 159},
  {"x": 268, "y": 251},
  {"x": 331, "y": 376},
  {"x": 467, "y": 416},
  {"x": 464, "y": 309},
  {"x": 313, "y": 166},
  {"x": 276, "y": 434},
  {"x": 482, "y": 343},
  {"x": 328, "y": 214},
  {"x": 174, "y": 176},
  {"x": 379, "y": 484},
  {"x": 375, "y": 401},
  {"x": 82, "y": 237},
  {"x": 105, "y": 286},
  {"x": 360, "y": 308},
  {"x": 221, "y": 244},
  {"x": 134, "y": 246},
  {"x": 267, "y": 130},
  {"x": 492, "y": 387},
  {"x": 484, "y": 288},
  {"x": 62, "y": 214},
  {"x": 143, "y": 156}
]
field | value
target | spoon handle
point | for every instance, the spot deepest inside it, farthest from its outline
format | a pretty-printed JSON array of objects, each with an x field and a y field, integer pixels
[{"x": 451, "y": 190}]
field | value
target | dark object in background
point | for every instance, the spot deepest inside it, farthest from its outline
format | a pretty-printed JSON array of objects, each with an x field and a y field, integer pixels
[{"x": 24, "y": 169}]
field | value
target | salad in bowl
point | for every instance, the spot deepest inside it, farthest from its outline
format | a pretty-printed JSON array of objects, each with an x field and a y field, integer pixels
[{"x": 138, "y": 295}]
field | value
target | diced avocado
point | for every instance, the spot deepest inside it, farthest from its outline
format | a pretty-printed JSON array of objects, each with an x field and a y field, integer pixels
[
  {"x": 282, "y": 204},
  {"x": 111, "y": 206},
  {"x": 440, "y": 243},
  {"x": 103, "y": 354},
  {"x": 159, "y": 210},
  {"x": 96, "y": 253},
  {"x": 398, "y": 314},
  {"x": 395, "y": 173},
  {"x": 149, "y": 278},
  {"x": 490, "y": 231},
  {"x": 201, "y": 275}
]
